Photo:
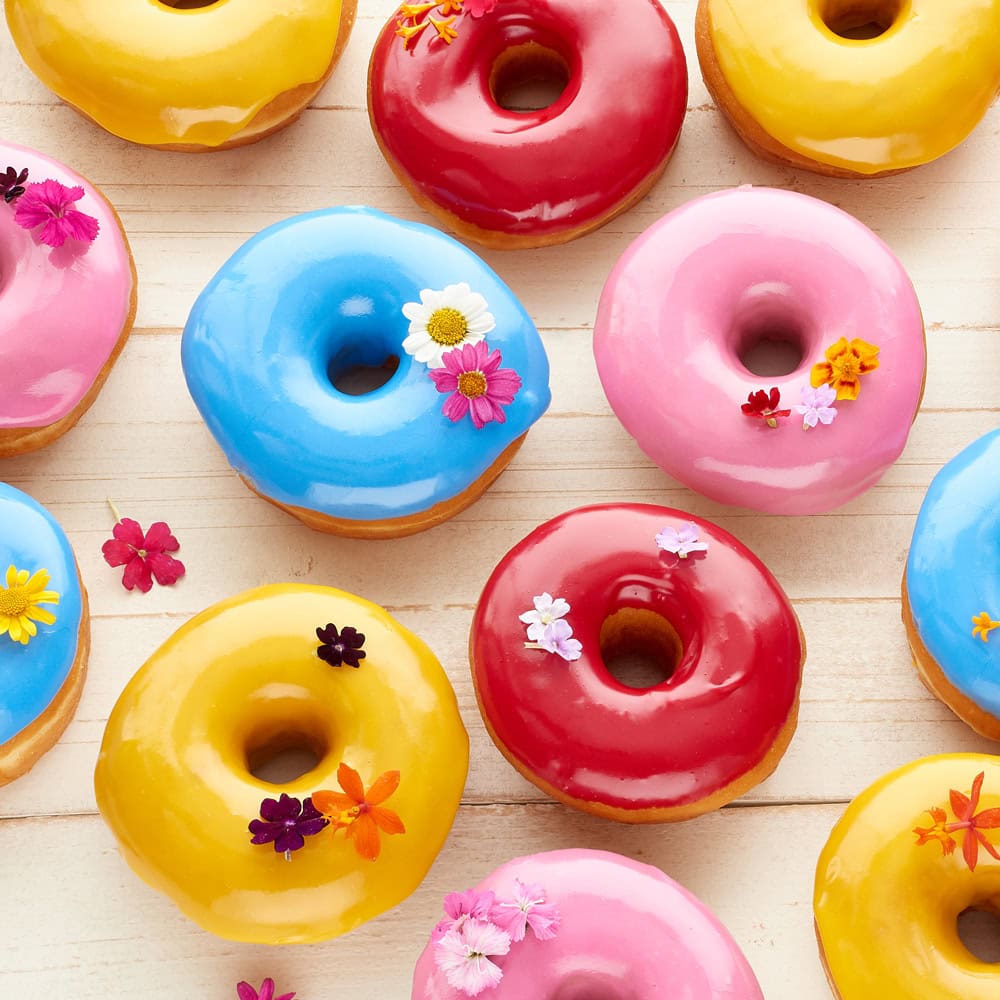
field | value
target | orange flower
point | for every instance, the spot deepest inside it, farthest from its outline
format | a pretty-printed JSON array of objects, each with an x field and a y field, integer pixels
[
  {"x": 845, "y": 364},
  {"x": 361, "y": 813},
  {"x": 984, "y": 624},
  {"x": 968, "y": 822}
]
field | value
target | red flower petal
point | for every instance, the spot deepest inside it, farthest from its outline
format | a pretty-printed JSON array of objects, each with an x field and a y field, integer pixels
[
  {"x": 988, "y": 820},
  {"x": 137, "y": 575},
  {"x": 166, "y": 569},
  {"x": 989, "y": 847},
  {"x": 350, "y": 781},
  {"x": 977, "y": 787},
  {"x": 159, "y": 539},
  {"x": 970, "y": 849},
  {"x": 117, "y": 553},
  {"x": 129, "y": 531},
  {"x": 961, "y": 806}
]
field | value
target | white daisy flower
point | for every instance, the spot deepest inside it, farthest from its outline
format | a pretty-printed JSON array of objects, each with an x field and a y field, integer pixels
[{"x": 444, "y": 320}]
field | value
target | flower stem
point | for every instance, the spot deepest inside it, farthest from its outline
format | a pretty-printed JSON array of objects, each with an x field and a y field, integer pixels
[{"x": 114, "y": 509}]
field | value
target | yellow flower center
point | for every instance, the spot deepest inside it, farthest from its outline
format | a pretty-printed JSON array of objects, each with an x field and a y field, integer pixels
[
  {"x": 14, "y": 601},
  {"x": 447, "y": 327},
  {"x": 847, "y": 366},
  {"x": 472, "y": 384}
]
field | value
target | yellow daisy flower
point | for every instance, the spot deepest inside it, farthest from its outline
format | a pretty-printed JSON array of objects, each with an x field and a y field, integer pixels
[{"x": 19, "y": 601}]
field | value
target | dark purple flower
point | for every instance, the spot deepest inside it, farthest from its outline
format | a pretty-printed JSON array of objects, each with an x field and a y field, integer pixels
[
  {"x": 340, "y": 647},
  {"x": 286, "y": 823},
  {"x": 12, "y": 183}
]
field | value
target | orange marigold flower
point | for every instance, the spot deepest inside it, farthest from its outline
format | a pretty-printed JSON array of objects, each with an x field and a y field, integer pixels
[
  {"x": 966, "y": 819},
  {"x": 984, "y": 624},
  {"x": 845, "y": 364},
  {"x": 360, "y": 813}
]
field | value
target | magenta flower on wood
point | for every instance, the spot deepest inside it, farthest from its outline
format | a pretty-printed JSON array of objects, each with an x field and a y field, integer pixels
[
  {"x": 246, "y": 992},
  {"x": 764, "y": 406},
  {"x": 286, "y": 822},
  {"x": 817, "y": 406},
  {"x": 144, "y": 555},
  {"x": 49, "y": 204},
  {"x": 12, "y": 183},
  {"x": 478, "y": 385},
  {"x": 343, "y": 646},
  {"x": 967, "y": 822},
  {"x": 682, "y": 541}
]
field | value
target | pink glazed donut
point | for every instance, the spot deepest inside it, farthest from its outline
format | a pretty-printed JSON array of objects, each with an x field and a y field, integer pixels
[
  {"x": 721, "y": 275},
  {"x": 576, "y": 925},
  {"x": 65, "y": 310}
]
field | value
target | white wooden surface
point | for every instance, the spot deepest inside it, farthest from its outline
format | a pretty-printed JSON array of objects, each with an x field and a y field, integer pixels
[{"x": 75, "y": 922}]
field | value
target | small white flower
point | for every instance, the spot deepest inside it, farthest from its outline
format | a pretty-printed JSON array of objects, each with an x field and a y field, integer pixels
[
  {"x": 463, "y": 955},
  {"x": 443, "y": 320},
  {"x": 681, "y": 541},
  {"x": 817, "y": 405},
  {"x": 547, "y": 610}
]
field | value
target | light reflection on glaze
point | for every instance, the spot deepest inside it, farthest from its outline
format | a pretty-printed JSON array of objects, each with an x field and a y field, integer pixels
[
  {"x": 953, "y": 570},
  {"x": 588, "y": 736},
  {"x": 159, "y": 76},
  {"x": 886, "y": 909},
  {"x": 888, "y": 103},
  {"x": 328, "y": 285},
  {"x": 628, "y": 932},
  {"x": 542, "y": 172},
  {"x": 62, "y": 310},
  {"x": 31, "y": 675},
  {"x": 719, "y": 273},
  {"x": 173, "y": 783}
]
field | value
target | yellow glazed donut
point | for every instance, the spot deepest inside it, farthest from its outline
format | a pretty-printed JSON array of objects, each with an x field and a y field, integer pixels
[
  {"x": 179, "y": 74},
  {"x": 234, "y": 687},
  {"x": 910, "y": 854},
  {"x": 799, "y": 91}
]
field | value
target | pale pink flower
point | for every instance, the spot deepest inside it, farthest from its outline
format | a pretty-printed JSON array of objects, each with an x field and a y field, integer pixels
[
  {"x": 478, "y": 385},
  {"x": 817, "y": 405},
  {"x": 547, "y": 610},
  {"x": 48, "y": 204},
  {"x": 464, "y": 954},
  {"x": 681, "y": 541},
  {"x": 558, "y": 638},
  {"x": 527, "y": 909},
  {"x": 463, "y": 906}
]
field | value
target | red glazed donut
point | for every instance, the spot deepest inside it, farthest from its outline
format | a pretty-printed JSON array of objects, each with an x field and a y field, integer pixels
[
  {"x": 716, "y": 619},
  {"x": 521, "y": 179}
]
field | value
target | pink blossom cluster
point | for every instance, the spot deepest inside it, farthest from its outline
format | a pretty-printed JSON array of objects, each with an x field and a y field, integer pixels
[{"x": 480, "y": 927}]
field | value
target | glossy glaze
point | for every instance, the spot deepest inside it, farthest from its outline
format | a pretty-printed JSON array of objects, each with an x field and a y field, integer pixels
[
  {"x": 32, "y": 675},
  {"x": 62, "y": 311},
  {"x": 331, "y": 285},
  {"x": 953, "y": 570},
  {"x": 886, "y": 908},
  {"x": 543, "y": 172},
  {"x": 158, "y": 75},
  {"x": 722, "y": 272},
  {"x": 582, "y": 733},
  {"x": 173, "y": 783},
  {"x": 888, "y": 103},
  {"x": 627, "y": 933}
]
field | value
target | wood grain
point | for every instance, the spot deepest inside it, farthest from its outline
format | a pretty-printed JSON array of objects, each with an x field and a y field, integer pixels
[{"x": 77, "y": 922}]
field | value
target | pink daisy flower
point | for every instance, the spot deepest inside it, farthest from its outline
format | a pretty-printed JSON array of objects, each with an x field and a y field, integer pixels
[
  {"x": 48, "y": 204},
  {"x": 246, "y": 992},
  {"x": 478, "y": 385},
  {"x": 464, "y": 954},
  {"x": 463, "y": 906},
  {"x": 527, "y": 909},
  {"x": 143, "y": 556}
]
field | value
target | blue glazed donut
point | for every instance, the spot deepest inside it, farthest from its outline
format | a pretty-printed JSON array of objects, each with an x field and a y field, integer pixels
[
  {"x": 45, "y": 634},
  {"x": 951, "y": 589},
  {"x": 316, "y": 295}
]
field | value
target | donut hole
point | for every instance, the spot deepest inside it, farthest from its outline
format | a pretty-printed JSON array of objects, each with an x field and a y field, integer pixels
[
  {"x": 979, "y": 931},
  {"x": 283, "y": 754},
  {"x": 640, "y": 648},
  {"x": 861, "y": 20},
  {"x": 189, "y": 4},
  {"x": 528, "y": 77},
  {"x": 771, "y": 349},
  {"x": 358, "y": 379}
]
